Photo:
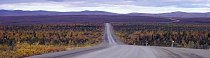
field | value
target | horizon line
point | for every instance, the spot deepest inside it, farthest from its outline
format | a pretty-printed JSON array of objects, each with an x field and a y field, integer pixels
[{"x": 102, "y": 11}]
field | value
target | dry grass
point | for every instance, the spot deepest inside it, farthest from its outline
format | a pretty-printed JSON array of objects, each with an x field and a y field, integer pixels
[{"x": 24, "y": 50}]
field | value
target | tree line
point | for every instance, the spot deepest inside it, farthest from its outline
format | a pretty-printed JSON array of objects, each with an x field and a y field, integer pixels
[
  {"x": 162, "y": 34},
  {"x": 51, "y": 34}
]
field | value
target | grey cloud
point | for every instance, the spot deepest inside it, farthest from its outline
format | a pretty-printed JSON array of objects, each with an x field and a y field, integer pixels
[
  {"x": 56, "y": 0},
  {"x": 156, "y": 3},
  {"x": 147, "y": 3},
  {"x": 19, "y": 1},
  {"x": 178, "y": 3}
]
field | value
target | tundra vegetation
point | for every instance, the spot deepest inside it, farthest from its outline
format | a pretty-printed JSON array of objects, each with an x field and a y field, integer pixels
[
  {"x": 17, "y": 41},
  {"x": 164, "y": 34}
]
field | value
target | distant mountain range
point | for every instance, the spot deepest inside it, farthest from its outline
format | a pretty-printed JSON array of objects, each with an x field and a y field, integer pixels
[
  {"x": 52, "y": 13},
  {"x": 175, "y": 15}
]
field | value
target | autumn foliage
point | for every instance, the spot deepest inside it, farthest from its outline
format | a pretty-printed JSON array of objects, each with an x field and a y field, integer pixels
[
  {"x": 26, "y": 40},
  {"x": 164, "y": 34}
]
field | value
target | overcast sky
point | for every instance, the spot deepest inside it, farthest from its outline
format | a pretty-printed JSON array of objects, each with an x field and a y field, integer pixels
[{"x": 117, "y": 6}]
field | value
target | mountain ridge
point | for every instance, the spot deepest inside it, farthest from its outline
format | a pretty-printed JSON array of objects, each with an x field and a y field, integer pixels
[{"x": 177, "y": 14}]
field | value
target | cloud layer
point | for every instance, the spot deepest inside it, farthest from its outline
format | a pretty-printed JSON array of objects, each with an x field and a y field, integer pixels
[{"x": 119, "y": 6}]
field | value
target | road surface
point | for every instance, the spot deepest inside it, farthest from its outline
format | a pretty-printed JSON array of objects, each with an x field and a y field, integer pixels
[{"x": 116, "y": 49}]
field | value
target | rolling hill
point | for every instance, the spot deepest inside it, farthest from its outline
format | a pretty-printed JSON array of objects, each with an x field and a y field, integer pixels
[{"x": 177, "y": 14}]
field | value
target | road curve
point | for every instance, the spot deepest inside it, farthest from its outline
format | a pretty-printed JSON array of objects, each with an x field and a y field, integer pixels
[
  {"x": 110, "y": 35},
  {"x": 117, "y": 50}
]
